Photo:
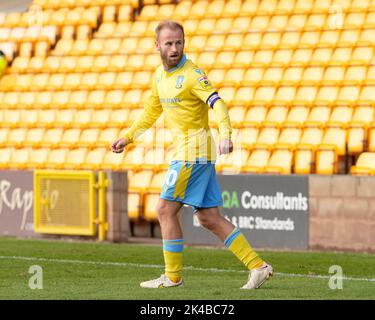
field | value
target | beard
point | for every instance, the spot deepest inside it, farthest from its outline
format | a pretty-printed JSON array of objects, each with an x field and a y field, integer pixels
[{"x": 170, "y": 61}]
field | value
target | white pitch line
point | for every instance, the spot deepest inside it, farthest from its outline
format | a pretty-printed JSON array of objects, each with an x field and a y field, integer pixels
[{"x": 158, "y": 266}]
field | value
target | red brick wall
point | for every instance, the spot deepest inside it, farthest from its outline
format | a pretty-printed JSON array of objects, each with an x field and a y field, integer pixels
[{"x": 342, "y": 212}]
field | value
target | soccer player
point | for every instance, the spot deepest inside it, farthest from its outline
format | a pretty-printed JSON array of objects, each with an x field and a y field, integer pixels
[{"x": 184, "y": 93}]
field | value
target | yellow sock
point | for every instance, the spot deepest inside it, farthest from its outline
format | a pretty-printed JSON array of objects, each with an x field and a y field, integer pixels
[
  {"x": 237, "y": 243},
  {"x": 172, "y": 250}
]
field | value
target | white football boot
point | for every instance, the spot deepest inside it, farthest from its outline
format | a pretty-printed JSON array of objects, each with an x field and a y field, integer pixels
[
  {"x": 162, "y": 282},
  {"x": 258, "y": 276}
]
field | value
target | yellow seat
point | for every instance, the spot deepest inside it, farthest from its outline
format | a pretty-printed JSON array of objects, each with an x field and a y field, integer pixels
[
  {"x": 348, "y": 95},
  {"x": 106, "y": 80},
  {"x": 55, "y": 81},
  {"x": 321, "y": 56},
  {"x": 95, "y": 99},
  {"x": 182, "y": 10},
  {"x": 37, "y": 159},
  {"x": 217, "y": 77},
  {"x": 123, "y": 80},
  {"x": 233, "y": 162},
  {"x": 247, "y": 137},
  {"x": 75, "y": 159},
  {"x": 107, "y": 136},
  {"x": 252, "y": 76},
  {"x": 257, "y": 161},
  {"x": 234, "y": 42},
  {"x": 94, "y": 159},
  {"x": 208, "y": 59},
  {"x": 312, "y": 76},
  {"x": 135, "y": 62},
  {"x": 11, "y": 118},
  {"x": 88, "y": 138},
  {"x": 264, "y": 95},
  {"x": 196, "y": 43},
  {"x": 67, "y": 64},
  {"x": 233, "y": 78},
  {"x": 362, "y": 55},
  {"x": 333, "y": 76},
  {"x": 113, "y": 99},
  {"x": 112, "y": 160},
  {"x": 20, "y": 65},
  {"x": 367, "y": 96},
  {"x": 243, "y": 96},
  {"x": 128, "y": 45},
  {"x": 236, "y": 115},
  {"x": 84, "y": 63},
  {"x": 16, "y": 137},
  {"x": 365, "y": 164},
  {"x": 88, "y": 80},
  {"x": 151, "y": 201},
  {"x": 278, "y": 22},
  {"x": 5, "y": 156},
  {"x": 118, "y": 118},
  {"x": 51, "y": 64},
  {"x": 334, "y": 137},
  {"x": 281, "y": 162},
  {"x": 46, "y": 118},
  {"x": 215, "y": 42},
  {"x": 134, "y": 158},
  {"x": 318, "y": 116},
  {"x": 326, "y": 162},
  {"x": 56, "y": 158},
  {"x": 82, "y": 118},
  {"x": 366, "y": 38},
  {"x": 297, "y": 115},
  {"x": 305, "y": 95},
  {"x": 340, "y": 115},
  {"x": 303, "y": 161},
  {"x": 198, "y": 10},
  {"x": 255, "y": 116},
  {"x": 28, "y": 118},
  {"x": 70, "y": 138},
  {"x": 100, "y": 118},
  {"x": 276, "y": 115},
  {"x": 268, "y": 136},
  {"x": 371, "y": 138},
  {"x": 289, "y": 138},
  {"x": 19, "y": 159},
  {"x": 72, "y": 81},
  {"x": 124, "y": 13},
  {"x": 190, "y": 27},
  {"x": 262, "y": 58}
]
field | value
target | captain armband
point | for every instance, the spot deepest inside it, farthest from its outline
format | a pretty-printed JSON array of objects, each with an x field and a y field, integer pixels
[{"x": 212, "y": 99}]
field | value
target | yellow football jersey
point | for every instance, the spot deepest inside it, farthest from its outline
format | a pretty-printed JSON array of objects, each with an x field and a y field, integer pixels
[{"x": 184, "y": 94}]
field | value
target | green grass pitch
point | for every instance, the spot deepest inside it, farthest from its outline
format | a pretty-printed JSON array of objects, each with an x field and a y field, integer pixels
[{"x": 80, "y": 270}]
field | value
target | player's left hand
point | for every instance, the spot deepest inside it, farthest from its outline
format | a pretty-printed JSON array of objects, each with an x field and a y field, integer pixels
[{"x": 225, "y": 146}]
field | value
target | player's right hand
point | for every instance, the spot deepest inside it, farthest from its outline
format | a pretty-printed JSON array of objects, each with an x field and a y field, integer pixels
[{"x": 119, "y": 145}]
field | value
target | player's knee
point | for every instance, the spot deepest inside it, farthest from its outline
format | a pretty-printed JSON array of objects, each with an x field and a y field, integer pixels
[
  {"x": 163, "y": 210},
  {"x": 206, "y": 220}
]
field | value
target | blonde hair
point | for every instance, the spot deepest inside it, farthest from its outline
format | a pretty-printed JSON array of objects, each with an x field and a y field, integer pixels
[{"x": 173, "y": 25}]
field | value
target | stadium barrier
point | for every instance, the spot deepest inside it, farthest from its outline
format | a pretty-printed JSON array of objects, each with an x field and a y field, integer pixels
[{"x": 66, "y": 203}]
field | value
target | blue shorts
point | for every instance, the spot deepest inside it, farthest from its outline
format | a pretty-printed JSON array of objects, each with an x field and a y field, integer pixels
[{"x": 194, "y": 184}]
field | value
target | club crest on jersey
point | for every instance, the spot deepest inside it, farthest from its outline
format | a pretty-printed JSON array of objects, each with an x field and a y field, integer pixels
[
  {"x": 199, "y": 71},
  {"x": 179, "y": 81},
  {"x": 205, "y": 83}
]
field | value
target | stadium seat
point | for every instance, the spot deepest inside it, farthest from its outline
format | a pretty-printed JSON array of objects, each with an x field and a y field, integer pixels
[
  {"x": 88, "y": 138},
  {"x": 268, "y": 136},
  {"x": 326, "y": 161},
  {"x": 255, "y": 116},
  {"x": 340, "y": 115},
  {"x": 318, "y": 115},
  {"x": 19, "y": 158},
  {"x": 257, "y": 161},
  {"x": 275, "y": 116},
  {"x": 247, "y": 137},
  {"x": 280, "y": 162},
  {"x": 94, "y": 159},
  {"x": 365, "y": 164},
  {"x": 70, "y": 138},
  {"x": 37, "y": 158},
  {"x": 334, "y": 137},
  {"x": 289, "y": 138},
  {"x": 75, "y": 159},
  {"x": 52, "y": 137}
]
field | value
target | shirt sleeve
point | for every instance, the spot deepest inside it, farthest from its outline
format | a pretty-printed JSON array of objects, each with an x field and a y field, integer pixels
[
  {"x": 151, "y": 112},
  {"x": 203, "y": 89}
]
